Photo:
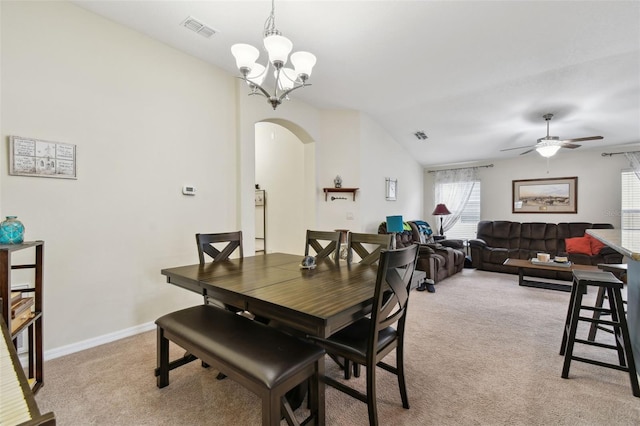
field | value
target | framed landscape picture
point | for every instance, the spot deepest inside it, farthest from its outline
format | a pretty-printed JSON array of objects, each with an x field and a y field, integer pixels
[{"x": 553, "y": 195}]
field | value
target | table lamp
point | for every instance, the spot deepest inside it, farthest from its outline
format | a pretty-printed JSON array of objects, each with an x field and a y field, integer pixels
[
  {"x": 394, "y": 225},
  {"x": 441, "y": 210}
]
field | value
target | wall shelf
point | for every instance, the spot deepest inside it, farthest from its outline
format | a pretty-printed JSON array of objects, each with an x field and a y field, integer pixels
[{"x": 328, "y": 190}]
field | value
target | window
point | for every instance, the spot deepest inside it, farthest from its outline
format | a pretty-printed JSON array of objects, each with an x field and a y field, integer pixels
[
  {"x": 630, "y": 209},
  {"x": 467, "y": 225}
]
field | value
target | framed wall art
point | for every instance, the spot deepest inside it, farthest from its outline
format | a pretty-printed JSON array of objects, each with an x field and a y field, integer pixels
[
  {"x": 391, "y": 189},
  {"x": 553, "y": 195},
  {"x": 35, "y": 157}
]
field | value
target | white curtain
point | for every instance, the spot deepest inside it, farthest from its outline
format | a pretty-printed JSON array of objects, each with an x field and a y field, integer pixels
[
  {"x": 634, "y": 159},
  {"x": 453, "y": 189}
]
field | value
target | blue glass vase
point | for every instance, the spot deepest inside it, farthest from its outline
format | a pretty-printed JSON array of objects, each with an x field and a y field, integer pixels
[{"x": 11, "y": 231}]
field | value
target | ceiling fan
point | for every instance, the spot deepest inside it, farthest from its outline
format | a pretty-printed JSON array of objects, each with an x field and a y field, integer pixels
[{"x": 549, "y": 145}]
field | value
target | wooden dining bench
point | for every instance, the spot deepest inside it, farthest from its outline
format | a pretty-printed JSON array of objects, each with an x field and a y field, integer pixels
[{"x": 265, "y": 360}]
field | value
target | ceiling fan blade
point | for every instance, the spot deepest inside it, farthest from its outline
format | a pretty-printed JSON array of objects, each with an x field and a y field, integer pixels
[
  {"x": 571, "y": 145},
  {"x": 520, "y": 147},
  {"x": 527, "y": 151},
  {"x": 588, "y": 138}
]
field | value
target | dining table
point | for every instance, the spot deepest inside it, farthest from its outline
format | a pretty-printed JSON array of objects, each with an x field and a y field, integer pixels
[{"x": 314, "y": 301}]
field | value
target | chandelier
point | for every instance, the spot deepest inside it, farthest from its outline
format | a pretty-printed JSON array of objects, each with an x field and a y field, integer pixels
[{"x": 278, "y": 48}]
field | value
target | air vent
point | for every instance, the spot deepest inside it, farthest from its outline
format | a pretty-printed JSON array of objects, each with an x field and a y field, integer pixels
[
  {"x": 421, "y": 135},
  {"x": 198, "y": 27}
]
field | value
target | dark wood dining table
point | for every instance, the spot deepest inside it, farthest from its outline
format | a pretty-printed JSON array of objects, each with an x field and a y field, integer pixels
[{"x": 317, "y": 301}]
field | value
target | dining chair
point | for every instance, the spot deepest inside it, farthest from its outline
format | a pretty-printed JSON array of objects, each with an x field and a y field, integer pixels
[
  {"x": 367, "y": 246},
  {"x": 206, "y": 246},
  {"x": 324, "y": 243},
  {"x": 369, "y": 340}
]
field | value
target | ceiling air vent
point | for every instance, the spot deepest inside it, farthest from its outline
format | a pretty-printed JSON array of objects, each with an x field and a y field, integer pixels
[
  {"x": 198, "y": 27},
  {"x": 421, "y": 135}
]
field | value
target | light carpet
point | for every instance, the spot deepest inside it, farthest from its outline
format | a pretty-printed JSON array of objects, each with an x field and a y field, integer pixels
[{"x": 479, "y": 351}]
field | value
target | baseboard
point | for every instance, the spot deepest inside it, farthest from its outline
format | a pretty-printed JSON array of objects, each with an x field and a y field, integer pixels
[{"x": 97, "y": 341}]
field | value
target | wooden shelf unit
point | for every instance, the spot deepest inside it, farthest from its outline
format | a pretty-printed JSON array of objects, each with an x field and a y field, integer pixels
[
  {"x": 31, "y": 319},
  {"x": 328, "y": 190}
]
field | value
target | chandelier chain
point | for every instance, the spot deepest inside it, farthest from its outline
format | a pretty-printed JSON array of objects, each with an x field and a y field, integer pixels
[{"x": 270, "y": 23}]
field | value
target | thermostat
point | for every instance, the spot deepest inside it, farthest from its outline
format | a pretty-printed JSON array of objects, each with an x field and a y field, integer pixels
[{"x": 189, "y": 190}]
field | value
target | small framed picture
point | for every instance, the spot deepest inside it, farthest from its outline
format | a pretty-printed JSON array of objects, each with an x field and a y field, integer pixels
[
  {"x": 36, "y": 157},
  {"x": 260, "y": 197},
  {"x": 391, "y": 189}
]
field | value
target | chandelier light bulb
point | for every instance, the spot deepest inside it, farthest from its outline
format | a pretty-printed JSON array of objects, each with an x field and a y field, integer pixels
[
  {"x": 246, "y": 56},
  {"x": 303, "y": 63},
  {"x": 278, "y": 48}
]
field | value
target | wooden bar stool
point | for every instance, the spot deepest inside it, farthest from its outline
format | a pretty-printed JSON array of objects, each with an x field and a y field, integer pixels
[
  {"x": 620, "y": 271},
  {"x": 613, "y": 286}
]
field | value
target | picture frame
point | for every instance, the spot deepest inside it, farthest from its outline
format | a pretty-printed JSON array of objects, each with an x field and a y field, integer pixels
[
  {"x": 259, "y": 197},
  {"x": 40, "y": 158},
  {"x": 549, "y": 195},
  {"x": 391, "y": 189}
]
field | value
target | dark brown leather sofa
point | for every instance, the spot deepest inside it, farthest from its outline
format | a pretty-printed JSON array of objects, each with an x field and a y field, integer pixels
[
  {"x": 498, "y": 240},
  {"x": 436, "y": 260}
]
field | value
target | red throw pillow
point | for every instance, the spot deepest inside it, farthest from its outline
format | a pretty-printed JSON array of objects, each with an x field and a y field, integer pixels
[
  {"x": 580, "y": 245},
  {"x": 596, "y": 245}
]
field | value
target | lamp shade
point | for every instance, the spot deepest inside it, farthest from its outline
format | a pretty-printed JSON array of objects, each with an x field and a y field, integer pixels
[
  {"x": 394, "y": 224},
  {"x": 287, "y": 78},
  {"x": 257, "y": 74},
  {"x": 245, "y": 55},
  {"x": 303, "y": 63},
  {"x": 278, "y": 47},
  {"x": 548, "y": 150},
  {"x": 441, "y": 210}
]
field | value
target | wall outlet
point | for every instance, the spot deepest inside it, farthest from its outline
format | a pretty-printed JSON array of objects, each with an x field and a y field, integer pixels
[{"x": 349, "y": 215}]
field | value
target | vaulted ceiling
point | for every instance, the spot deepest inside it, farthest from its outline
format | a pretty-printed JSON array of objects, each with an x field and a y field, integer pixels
[{"x": 475, "y": 76}]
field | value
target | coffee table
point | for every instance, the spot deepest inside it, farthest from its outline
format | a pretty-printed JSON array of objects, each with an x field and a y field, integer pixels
[{"x": 524, "y": 264}]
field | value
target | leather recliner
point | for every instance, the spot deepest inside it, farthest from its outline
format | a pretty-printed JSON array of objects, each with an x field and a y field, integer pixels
[{"x": 436, "y": 260}]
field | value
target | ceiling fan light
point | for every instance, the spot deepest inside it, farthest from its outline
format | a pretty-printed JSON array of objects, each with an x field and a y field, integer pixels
[
  {"x": 245, "y": 55},
  {"x": 279, "y": 48},
  {"x": 548, "y": 150}
]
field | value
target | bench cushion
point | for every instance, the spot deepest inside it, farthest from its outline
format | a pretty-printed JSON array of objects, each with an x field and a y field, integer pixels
[{"x": 263, "y": 353}]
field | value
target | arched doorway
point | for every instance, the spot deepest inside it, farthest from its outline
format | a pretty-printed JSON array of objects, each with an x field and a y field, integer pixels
[{"x": 285, "y": 170}]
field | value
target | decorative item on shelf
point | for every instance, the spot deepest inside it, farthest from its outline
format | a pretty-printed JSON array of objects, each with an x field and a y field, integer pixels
[
  {"x": 278, "y": 47},
  {"x": 394, "y": 225},
  {"x": 11, "y": 231},
  {"x": 338, "y": 181},
  {"x": 441, "y": 210}
]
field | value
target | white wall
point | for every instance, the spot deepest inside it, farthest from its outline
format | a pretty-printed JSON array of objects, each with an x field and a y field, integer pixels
[
  {"x": 301, "y": 117},
  {"x": 146, "y": 120},
  {"x": 339, "y": 152},
  {"x": 280, "y": 171},
  {"x": 598, "y": 185},
  {"x": 380, "y": 157}
]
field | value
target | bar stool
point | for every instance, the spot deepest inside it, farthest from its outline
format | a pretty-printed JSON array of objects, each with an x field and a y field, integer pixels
[
  {"x": 620, "y": 271},
  {"x": 582, "y": 279}
]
